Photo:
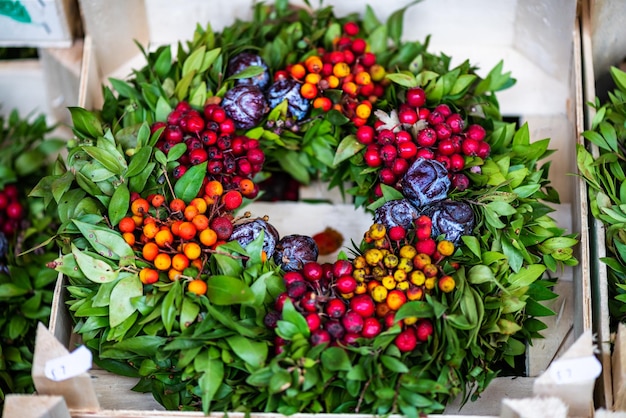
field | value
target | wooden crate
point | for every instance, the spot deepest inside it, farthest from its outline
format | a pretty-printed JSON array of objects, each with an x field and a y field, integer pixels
[
  {"x": 603, "y": 46},
  {"x": 538, "y": 42}
]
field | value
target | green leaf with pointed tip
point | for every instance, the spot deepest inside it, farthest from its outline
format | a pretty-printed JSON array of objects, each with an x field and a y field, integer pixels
[
  {"x": 86, "y": 122},
  {"x": 107, "y": 243},
  {"x": 188, "y": 186},
  {"x": 227, "y": 290},
  {"x": 121, "y": 305},
  {"x": 119, "y": 204},
  {"x": 94, "y": 269}
]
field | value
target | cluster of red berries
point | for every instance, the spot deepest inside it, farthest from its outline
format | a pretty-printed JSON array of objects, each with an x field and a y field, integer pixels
[
  {"x": 440, "y": 135},
  {"x": 210, "y": 137},
  {"x": 11, "y": 210},
  {"x": 350, "y": 68},
  {"x": 349, "y": 302}
]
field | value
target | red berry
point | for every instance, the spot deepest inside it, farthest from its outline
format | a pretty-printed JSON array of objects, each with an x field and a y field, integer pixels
[
  {"x": 456, "y": 123},
  {"x": 314, "y": 321},
  {"x": 352, "y": 322},
  {"x": 457, "y": 162},
  {"x": 425, "y": 153},
  {"x": 194, "y": 124},
  {"x": 4, "y": 200},
  {"x": 426, "y": 137},
  {"x": 351, "y": 28},
  {"x": 14, "y": 210},
  {"x": 403, "y": 136},
  {"x": 280, "y": 301},
  {"x": 218, "y": 115},
  {"x": 232, "y": 200},
  {"x": 365, "y": 134},
  {"x": 407, "y": 116},
  {"x": 309, "y": 302},
  {"x": 358, "y": 46},
  {"x": 388, "y": 152},
  {"x": 416, "y": 97},
  {"x": 11, "y": 191},
  {"x": 372, "y": 157},
  {"x": 460, "y": 181},
  {"x": 406, "y": 340},
  {"x": 368, "y": 59},
  {"x": 483, "y": 150},
  {"x": 173, "y": 134},
  {"x": 444, "y": 160},
  {"x": 387, "y": 176},
  {"x": 341, "y": 268},
  {"x": 197, "y": 156},
  {"x": 363, "y": 305},
  {"x": 182, "y": 107},
  {"x": 443, "y": 109},
  {"x": 386, "y": 136},
  {"x": 399, "y": 166},
  {"x": 476, "y": 132},
  {"x": 335, "y": 308},
  {"x": 397, "y": 233},
  {"x": 445, "y": 147},
  {"x": 424, "y": 329},
  {"x": 470, "y": 146},
  {"x": 312, "y": 271},
  {"x": 227, "y": 126},
  {"x": 427, "y": 246},
  {"x": 255, "y": 156},
  {"x": 371, "y": 327},
  {"x": 443, "y": 131},
  {"x": 222, "y": 226},
  {"x": 346, "y": 284},
  {"x": 174, "y": 117},
  {"x": 292, "y": 276},
  {"x": 407, "y": 150}
]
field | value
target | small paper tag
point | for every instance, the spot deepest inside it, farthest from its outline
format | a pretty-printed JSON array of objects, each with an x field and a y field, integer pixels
[
  {"x": 66, "y": 367},
  {"x": 575, "y": 370}
]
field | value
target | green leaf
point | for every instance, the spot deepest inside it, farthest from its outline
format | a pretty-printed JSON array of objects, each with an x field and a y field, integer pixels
[
  {"x": 348, "y": 147},
  {"x": 394, "y": 364},
  {"x": 10, "y": 290},
  {"x": 226, "y": 290},
  {"x": 163, "y": 109},
  {"x": 189, "y": 313},
  {"x": 119, "y": 204},
  {"x": 106, "y": 158},
  {"x": 139, "y": 161},
  {"x": 480, "y": 274},
  {"x": 405, "y": 79},
  {"x": 107, "y": 243},
  {"x": 254, "y": 353},
  {"x": 619, "y": 77},
  {"x": 124, "y": 89},
  {"x": 193, "y": 62},
  {"x": 95, "y": 270},
  {"x": 121, "y": 306},
  {"x": 335, "y": 359},
  {"x": 86, "y": 122},
  {"x": 163, "y": 63},
  {"x": 188, "y": 186},
  {"x": 526, "y": 276},
  {"x": 291, "y": 315},
  {"x": 210, "y": 381}
]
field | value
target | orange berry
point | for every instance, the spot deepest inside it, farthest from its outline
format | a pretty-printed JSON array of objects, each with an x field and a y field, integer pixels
[
  {"x": 197, "y": 286},
  {"x": 395, "y": 299},
  {"x": 150, "y": 230},
  {"x": 201, "y": 222},
  {"x": 323, "y": 103},
  {"x": 445, "y": 248},
  {"x": 341, "y": 69},
  {"x": 157, "y": 200},
  {"x": 363, "y": 78},
  {"x": 174, "y": 274},
  {"x": 129, "y": 237},
  {"x": 187, "y": 230},
  {"x": 314, "y": 64},
  {"x": 163, "y": 261},
  {"x": 138, "y": 219},
  {"x": 180, "y": 262},
  {"x": 199, "y": 203},
  {"x": 127, "y": 224},
  {"x": 308, "y": 90},
  {"x": 298, "y": 71},
  {"x": 149, "y": 251},
  {"x": 148, "y": 275},
  {"x": 175, "y": 227},
  {"x": 177, "y": 205},
  {"x": 415, "y": 293},
  {"x": 333, "y": 81},
  {"x": 246, "y": 186},
  {"x": 190, "y": 212},
  {"x": 208, "y": 237},
  {"x": 446, "y": 284},
  {"x": 164, "y": 238},
  {"x": 197, "y": 263},
  {"x": 350, "y": 88},
  {"x": 192, "y": 250},
  {"x": 139, "y": 206},
  {"x": 363, "y": 111},
  {"x": 312, "y": 78},
  {"x": 213, "y": 189},
  {"x": 232, "y": 200},
  {"x": 430, "y": 270}
]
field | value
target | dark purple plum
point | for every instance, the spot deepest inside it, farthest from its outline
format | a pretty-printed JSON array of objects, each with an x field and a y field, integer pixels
[
  {"x": 245, "y": 60},
  {"x": 294, "y": 251},
  {"x": 425, "y": 182},
  {"x": 288, "y": 89},
  {"x": 245, "y": 104},
  {"x": 246, "y": 232},
  {"x": 452, "y": 218},
  {"x": 396, "y": 213}
]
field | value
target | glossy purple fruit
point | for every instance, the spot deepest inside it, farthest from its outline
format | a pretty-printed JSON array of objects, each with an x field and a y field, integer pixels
[
  {"x": 245, "y": 104},
  {"x": 288, "y": 89},
  {"x": 396, "y": 213},
  {"x": 245, "y": 60},
  {"x": 294, "y": 251},
  {"x": 245, "y": 233},
  {"x": 426, "y": 182},
  {"x": 452, "y": 218}
]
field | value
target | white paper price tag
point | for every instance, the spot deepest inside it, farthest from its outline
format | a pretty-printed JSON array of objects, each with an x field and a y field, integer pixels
[
  {"x": 575, "y": 370},
  {"x": 66, "y": 367}
]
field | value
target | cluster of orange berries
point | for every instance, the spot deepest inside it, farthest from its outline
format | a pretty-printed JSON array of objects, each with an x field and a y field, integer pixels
[
  {"x": 175, "y": 239},
  {"x": 395, "y": 269},
  {"x": 350, "y": 68}
]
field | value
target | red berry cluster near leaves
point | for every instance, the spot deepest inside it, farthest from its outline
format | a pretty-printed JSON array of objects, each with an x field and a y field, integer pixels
[
  {"x": 210, "y": 137},
  {"x": 11, "y": 210},
  {"x": 349, "y": 68},
  {"x": 351, "y": 302},
  {"x": 421, "y": 132}
]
